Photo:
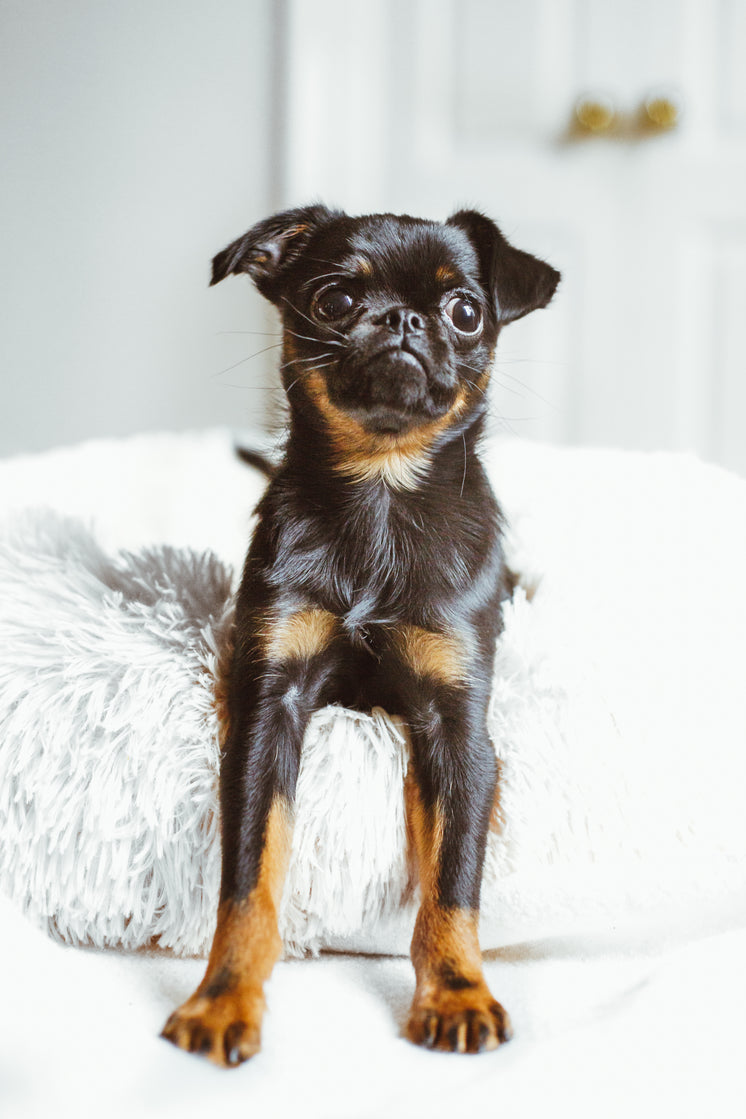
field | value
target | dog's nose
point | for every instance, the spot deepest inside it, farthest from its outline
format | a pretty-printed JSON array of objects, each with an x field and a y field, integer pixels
[{"x": 402, "y": 320}]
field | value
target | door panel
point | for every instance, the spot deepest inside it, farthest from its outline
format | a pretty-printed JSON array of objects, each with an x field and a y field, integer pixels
[{"x": 471, "y": 102}]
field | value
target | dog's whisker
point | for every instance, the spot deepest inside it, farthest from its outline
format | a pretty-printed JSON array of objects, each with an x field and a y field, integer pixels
[
  {"x": 506, "y": 358},
  {"x": 263, "y": 333},
  {"x": 473, "y": 385},
  {"x": 306, "y": 338},
  {"x": 498, "y": 373},
  {"x": 506, "y": 422},
  {"x": 474, "y": 368},
  {"x": 244, "y": 387},
  {"x": 316, "y": 365},
  {"x": 307, "y": 373},
  {"x": 509, "y": 388},
  {"x": 243, "y": 360},
  {"x": 297, "y": 360},
  {"x": 338, "y": 275},
  {"x": 504, "y": 373},
  {"x": 309, "y": 360},
  {"x": 323, "y": 260},
  {"x": 463, "y": 480}
]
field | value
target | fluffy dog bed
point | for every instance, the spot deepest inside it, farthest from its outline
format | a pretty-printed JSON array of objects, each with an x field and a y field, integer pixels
[{"x": 618, "y": 712}]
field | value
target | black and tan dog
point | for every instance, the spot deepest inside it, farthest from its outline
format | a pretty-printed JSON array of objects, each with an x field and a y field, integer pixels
[{"x": 374, "y": 577}]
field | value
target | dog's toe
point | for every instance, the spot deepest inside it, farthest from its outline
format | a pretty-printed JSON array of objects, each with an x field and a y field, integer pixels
[
  {"x": 459, "y": 1021},
  {"x": 226, "y": 1029}
]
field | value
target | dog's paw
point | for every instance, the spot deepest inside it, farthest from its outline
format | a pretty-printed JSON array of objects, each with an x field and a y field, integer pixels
[
  {"x": 461, "y": 1021},
  {"x": 226, "y": 1029}
]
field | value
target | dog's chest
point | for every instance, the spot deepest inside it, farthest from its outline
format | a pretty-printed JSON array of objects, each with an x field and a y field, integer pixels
[{"x": 380, "y": 563}]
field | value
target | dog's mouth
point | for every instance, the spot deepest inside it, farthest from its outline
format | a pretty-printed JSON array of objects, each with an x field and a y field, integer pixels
[
  {"x": 394, "y": 364},
  {"x": 387, "y": 421},
  {"x": 390, "y": 392},
  {"x": 405, "y": 356}
]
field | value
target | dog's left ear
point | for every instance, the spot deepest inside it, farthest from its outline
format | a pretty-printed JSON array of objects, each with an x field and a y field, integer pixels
[
  {"x": 270, "y": 247},
  {"x": 516, "y": 281}
]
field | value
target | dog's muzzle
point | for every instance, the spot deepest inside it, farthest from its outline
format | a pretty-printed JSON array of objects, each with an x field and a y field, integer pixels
[{"x": 392, "y": 391}]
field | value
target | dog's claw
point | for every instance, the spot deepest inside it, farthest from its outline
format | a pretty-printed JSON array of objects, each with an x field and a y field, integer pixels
[
  {"x": 457, "y": 1037},
  {"x": 504, "y": 1030},
  {"x": 431, "y": 1032},
  {"x": 224, "y": 1029},
  {"x": 483, "y": 1034},
  {"x": 468, "y": 1021},
  {"x": 232, "y": 1044}
]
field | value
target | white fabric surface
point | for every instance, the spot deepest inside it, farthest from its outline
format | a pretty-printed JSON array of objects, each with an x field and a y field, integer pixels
[
  {"x": 646, "y": 1032},
  {"x": 602, "y": 1025}
]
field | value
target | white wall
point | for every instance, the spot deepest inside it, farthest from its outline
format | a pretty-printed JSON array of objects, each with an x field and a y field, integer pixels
[
  {"x": 140, "y": 136},
  {"x": 136, "y": 141}
]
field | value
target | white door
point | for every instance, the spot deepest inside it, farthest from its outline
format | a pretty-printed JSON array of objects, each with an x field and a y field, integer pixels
[{"x": 428, "y": 105}]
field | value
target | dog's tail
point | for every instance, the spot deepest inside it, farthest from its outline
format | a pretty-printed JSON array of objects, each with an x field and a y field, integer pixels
[{"x": 257, "y": 460}]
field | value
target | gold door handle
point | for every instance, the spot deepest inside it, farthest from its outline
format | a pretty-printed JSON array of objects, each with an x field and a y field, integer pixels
[
  {"x": 595, "y": 114},
  {"x": 660, "y": 112}
]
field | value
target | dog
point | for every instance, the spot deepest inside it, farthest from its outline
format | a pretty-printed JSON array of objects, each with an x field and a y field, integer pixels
[{"x": 375, "y": 577}]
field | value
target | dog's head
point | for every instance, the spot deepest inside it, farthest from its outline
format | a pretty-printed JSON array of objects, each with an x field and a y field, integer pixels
[{"x": 390, "y": 322}]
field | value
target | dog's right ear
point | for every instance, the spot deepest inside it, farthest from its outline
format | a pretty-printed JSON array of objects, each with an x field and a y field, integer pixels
[{"x": 270, "y": 247}]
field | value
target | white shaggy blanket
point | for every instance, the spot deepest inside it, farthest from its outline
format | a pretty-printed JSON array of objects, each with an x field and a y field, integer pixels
[
  {"x": 620, "y": 720},
  {"x": 618, "y": 717}
]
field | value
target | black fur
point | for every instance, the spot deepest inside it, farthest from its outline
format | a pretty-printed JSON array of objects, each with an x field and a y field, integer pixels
[
  {"x": 372, "y": 555},
  {"x": 381, "y": 522}
]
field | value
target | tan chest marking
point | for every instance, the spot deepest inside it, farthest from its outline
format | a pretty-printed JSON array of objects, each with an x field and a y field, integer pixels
[
  {"x": 401, "y": 461},
  {"x": 299, "y": 636}
]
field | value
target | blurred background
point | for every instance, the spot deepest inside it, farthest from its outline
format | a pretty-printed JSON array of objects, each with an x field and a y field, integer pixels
[{"x": 140, "y": 136}]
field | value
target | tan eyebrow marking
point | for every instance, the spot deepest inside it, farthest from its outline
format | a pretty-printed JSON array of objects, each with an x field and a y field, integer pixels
[
  {"x": 444, "y": 275},
  {"x": 362, "y": 265}
]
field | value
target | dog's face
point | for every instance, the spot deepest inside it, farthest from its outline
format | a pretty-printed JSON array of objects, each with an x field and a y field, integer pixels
[{"x": 389, "y": 321}]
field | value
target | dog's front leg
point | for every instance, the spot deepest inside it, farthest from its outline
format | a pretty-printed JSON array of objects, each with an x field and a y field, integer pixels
[
  {"x": 278, "y": 680},
  {"x": 450, "y": 794}
]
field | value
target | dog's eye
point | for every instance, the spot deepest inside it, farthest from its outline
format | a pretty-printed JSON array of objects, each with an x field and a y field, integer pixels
[
  {"x": 465, "y": 315},
  {"x": 333, "y": 303}
]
